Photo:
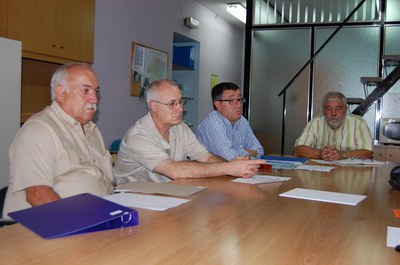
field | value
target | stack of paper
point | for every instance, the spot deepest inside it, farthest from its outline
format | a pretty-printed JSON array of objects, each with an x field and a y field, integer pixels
[
  {"x": 370, "y": 162},
  {"x": 260, "y": 179},
  {"x": 159, "y": 188},
  {"x": 150, "y": 202}
]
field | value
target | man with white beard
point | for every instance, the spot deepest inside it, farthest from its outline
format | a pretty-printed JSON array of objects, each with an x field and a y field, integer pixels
[{"x": 336, "y": 135}]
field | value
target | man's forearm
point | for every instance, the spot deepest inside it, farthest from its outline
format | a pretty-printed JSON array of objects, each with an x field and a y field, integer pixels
[
  {"x": 308, "y": 152},
  {"x": 38, "y": 195}
]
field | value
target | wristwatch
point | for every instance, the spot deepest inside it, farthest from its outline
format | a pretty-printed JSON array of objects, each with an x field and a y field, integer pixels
[{"x": 344, "y": 155}]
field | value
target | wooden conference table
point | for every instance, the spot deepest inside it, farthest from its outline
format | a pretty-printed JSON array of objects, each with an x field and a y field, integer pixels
[{"x": 232, "y": 223}]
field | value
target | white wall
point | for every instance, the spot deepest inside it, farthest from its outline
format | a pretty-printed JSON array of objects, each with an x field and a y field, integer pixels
[
  {"x": 10, "y": 100},
  {"x": 152, "y": 23}
]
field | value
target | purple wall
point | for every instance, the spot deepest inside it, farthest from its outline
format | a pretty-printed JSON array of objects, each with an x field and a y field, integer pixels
[{"x": 152, "y": 23}]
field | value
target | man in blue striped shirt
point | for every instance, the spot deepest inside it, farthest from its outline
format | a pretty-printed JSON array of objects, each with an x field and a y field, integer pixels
[{"x": 224, "y": 131}]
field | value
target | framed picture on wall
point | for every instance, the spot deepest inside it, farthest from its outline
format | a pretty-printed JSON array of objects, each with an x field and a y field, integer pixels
[{"x": 147, "y": 65}]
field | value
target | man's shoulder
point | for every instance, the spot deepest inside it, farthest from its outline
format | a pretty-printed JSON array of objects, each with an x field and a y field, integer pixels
[
  {"x": 316, "y": 119},
  {"x": 210, "y": 119},
  {"x": 44, "y": 118},
  {"x": 354, "y": 117},
  {"x": 213, "y": 115},
  {"x": 141, "y": 125}
]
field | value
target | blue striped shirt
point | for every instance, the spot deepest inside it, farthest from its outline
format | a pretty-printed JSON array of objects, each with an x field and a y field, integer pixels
[{"x": 227, "y": 141}]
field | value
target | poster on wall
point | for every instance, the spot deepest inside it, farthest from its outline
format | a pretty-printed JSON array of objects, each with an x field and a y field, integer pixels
[
  {"x": 214, "y": 80},
  {"x": 147, "y": 65}
]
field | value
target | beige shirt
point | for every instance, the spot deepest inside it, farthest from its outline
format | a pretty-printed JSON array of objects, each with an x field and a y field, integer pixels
[
  {"x": 143, "y": 147},
  {"x": 52, "y": 149}
]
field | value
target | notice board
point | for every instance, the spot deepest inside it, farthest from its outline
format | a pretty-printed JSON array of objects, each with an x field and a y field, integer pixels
[{"x": 147, "y": 65}]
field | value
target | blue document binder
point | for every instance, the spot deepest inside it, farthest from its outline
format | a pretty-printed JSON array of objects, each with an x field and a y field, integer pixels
[
  {"x": 78, "y": 214},
  {"x": 282, "y": 159}
]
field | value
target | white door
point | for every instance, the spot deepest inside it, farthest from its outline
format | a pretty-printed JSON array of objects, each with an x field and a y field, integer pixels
[{"x": 10, "y": 100}]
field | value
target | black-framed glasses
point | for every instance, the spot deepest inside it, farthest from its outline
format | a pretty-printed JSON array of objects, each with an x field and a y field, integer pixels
[
  {"x": 233, "y": 100},
  {"x": 173, "y": 104}
]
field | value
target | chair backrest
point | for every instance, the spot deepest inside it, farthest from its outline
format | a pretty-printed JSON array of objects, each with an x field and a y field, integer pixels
[
  {"x": 115, "y": 146},
  {"x": 4, "y": 221},
  {"x": 3, "y": 192}
]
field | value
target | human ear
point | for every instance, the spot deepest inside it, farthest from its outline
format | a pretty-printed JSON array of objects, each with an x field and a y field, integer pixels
[{"x": 59, "y": 92}]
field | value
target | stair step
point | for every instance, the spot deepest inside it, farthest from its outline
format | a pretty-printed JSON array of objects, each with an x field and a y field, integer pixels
[
  {"x": 371, "y": 81},
  {"x": 354, "y": 101},
  {"x": 391, "y": 60}
]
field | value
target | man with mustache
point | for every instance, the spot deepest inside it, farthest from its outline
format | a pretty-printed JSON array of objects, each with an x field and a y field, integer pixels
[
  {"x": 224, "y": 131},
  {"x": 160, "y": 147},
  {"x": 59, "y": 152},
  {"x": 336, "y": 135}
]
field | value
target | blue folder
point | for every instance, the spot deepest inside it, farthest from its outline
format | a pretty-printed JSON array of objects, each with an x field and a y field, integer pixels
[
  {"x": 78, "y": 214},
  {"x": 282, "y": 159}
]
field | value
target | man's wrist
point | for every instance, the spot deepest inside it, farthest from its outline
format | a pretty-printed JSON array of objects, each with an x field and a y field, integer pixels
[{"x": 345, "y": 155}]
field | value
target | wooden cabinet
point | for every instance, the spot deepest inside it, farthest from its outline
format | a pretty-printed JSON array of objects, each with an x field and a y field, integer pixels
[
  {"x": 52, "y": 30},
  {"x": 35, "y": 87},
  {"x": 387, "y": 153}
]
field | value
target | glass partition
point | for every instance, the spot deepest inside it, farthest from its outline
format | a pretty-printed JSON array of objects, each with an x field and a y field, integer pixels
[
  {"x": 315, "y": 11},
  {"x": 277, "y": 57}
]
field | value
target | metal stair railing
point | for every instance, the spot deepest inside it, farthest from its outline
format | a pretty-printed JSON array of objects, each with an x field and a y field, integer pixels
[
  {"x": 378, "y": 92},
  {"x": 283, "y": 92}
]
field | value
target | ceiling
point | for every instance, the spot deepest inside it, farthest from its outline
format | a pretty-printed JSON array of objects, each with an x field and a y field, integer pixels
[{"x": 219, "y": 7}]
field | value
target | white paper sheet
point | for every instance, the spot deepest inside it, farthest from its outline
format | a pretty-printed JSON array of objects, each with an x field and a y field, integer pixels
[
  {"x": 259, "y": 179},
  {"x": 151, "y": 202},
  {"x": 324, "y": 196},
  {"x": 369, "y": 162},
  {"x": 393, "y": 236},
  {"x": 315, "y": 168},
  {"x": 159, "y": 189}
]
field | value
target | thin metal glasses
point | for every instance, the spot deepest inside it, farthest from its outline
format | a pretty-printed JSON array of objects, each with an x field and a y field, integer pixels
[{"x": 173, "y": 104}]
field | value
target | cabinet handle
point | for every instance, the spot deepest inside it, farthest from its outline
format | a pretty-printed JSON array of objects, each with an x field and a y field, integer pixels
[
  {"x": 53, "y": 46},
  {"x": 61, "y": 47}
]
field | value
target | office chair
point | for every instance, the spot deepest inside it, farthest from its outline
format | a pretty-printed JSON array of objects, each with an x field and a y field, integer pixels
[
  {"x": 3, "y": 221},
  {"x": 115, "y": 146}
]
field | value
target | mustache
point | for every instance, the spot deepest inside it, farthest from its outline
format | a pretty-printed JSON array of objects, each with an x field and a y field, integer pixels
[{"x": 90, "y": 106}]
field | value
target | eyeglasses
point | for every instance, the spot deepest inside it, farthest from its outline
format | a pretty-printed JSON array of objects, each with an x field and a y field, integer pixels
[
  {"x": 233, "y": 101},
  {"x": 173, "y": 104}
]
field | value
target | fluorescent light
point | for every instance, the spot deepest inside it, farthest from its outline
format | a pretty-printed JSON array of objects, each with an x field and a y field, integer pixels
[{"x": 238, "y": 11}]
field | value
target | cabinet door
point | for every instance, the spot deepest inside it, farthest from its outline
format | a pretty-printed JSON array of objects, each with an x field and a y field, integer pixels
[
  {"x": 379, "y": 153},
  {"x": 75, "y": 29},
  {"x": 393, "y": 154},
  {"x": 32, "y": 22},
  {"x": 53, "y": 30}
]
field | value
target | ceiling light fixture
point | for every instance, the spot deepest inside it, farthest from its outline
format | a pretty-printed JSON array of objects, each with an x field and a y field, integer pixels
[{"x": 238, "y": 11}]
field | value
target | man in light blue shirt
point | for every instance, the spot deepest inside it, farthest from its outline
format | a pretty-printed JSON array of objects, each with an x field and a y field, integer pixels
[{"x": 224, "y": 131}]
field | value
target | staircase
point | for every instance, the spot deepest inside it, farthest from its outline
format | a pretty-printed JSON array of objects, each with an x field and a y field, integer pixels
[{"x": 381, "y": 85}]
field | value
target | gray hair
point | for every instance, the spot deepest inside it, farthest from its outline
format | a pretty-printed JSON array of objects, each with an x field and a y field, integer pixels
[
  {"x": 61, "y": 75},
  {"x": 152, "y": 92},
  {"x": 335, "y": 96}
]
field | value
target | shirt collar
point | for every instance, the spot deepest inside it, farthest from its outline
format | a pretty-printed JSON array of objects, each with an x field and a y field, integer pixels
[
  {"x": 88, "y": 127},
  {"x": 150, "y": 122},
  {"x": 226, "y": 121}
]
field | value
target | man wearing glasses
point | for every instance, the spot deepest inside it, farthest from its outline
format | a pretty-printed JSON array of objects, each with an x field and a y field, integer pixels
[
  {"x": 224, "y": 131},
  {"x": 160, "y": 147}
]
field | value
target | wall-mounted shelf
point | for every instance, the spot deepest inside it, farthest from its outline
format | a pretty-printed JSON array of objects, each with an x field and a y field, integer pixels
[{"x": 181, "y": 68}]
